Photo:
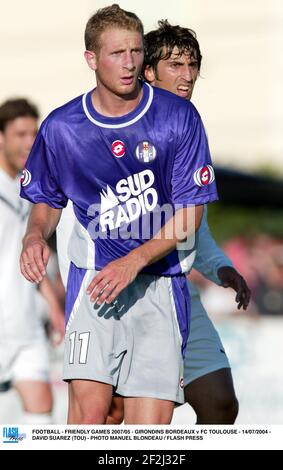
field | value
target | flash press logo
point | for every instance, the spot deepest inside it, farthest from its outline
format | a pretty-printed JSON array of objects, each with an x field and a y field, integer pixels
[{"x": 12, "y": 435}]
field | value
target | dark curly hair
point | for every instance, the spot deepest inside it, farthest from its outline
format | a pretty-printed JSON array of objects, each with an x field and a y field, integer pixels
[{"x": 160, "y": 43}]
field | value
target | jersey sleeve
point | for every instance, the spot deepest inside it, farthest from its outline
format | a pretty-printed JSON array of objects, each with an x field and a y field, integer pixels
[
  {"x": 209, "y": 256},
  {"x": 39, "y": 182},
  {"x": 193, "y": 180}
]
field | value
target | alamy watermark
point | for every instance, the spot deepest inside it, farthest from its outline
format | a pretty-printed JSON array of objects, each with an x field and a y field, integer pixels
[{"x": 142, "y": 218}]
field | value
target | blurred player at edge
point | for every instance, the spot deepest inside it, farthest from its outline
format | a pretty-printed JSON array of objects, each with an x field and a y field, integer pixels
[{"x": 23, "y": 345}]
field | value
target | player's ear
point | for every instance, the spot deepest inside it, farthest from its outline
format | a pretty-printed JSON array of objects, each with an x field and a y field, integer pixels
[
  {"x": 91, "y": 59},
  {"x": 149, "y": 75}
]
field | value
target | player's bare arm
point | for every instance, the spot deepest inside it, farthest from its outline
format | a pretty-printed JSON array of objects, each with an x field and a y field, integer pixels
[
  {"x": 55, "y": 310},
  {"x": 229, "y": 277},
  {"x": 117, "y": 275},
  {"x": 35, "y": 254}
]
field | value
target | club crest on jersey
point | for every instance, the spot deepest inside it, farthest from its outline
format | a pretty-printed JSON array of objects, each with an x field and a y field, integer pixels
[
  {"x": 118, "y": 148},
  {"x": 26, "y": 177},
  {"x": 204, "y": 175},
  {"x": 145, "y": 152}
]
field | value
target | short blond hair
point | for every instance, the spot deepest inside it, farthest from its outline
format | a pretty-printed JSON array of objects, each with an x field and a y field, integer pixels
[{"x": 111, "y": 16}]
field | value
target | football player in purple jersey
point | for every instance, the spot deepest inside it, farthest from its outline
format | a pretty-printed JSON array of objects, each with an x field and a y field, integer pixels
[{"x": 121, "y": 153}]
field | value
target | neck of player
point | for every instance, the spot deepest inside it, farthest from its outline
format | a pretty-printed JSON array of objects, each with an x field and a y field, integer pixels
[{"x": 111, "y": 104}]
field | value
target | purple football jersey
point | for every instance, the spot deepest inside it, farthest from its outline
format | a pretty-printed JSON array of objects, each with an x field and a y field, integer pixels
[{"x": 125, "y": 175}]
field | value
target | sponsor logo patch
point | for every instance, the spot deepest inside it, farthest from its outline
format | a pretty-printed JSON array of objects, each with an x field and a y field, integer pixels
[
  {"x": 26, "y": 177},
  {"x": 204, "y": 175},
  {"x": 133, "y": 197},
  {"x": 118, "y": 148}
]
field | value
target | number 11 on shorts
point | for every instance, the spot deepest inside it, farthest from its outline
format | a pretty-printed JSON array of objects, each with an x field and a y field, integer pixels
[{"x": 84, "y": 342}]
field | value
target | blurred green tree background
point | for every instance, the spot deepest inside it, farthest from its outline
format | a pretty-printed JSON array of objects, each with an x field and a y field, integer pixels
[{"x": 228, "y": 221}]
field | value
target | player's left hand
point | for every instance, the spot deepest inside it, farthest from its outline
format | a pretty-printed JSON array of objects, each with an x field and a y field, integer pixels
[
  {"x": 112, "y": 279},
  {"x": 57, "y": 324},
  {"x": 229, "y": 277}
]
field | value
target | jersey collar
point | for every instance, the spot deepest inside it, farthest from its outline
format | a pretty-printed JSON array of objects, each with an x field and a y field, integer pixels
[{"x": 121, "y": 121}]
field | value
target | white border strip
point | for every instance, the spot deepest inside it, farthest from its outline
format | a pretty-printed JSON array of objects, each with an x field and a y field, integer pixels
[
  {"x": 124, "y": 124},
  {"x": 170, "y": 288}
]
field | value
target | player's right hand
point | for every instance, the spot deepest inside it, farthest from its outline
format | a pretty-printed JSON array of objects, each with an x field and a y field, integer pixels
[{"x": 34, "y": 258}]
